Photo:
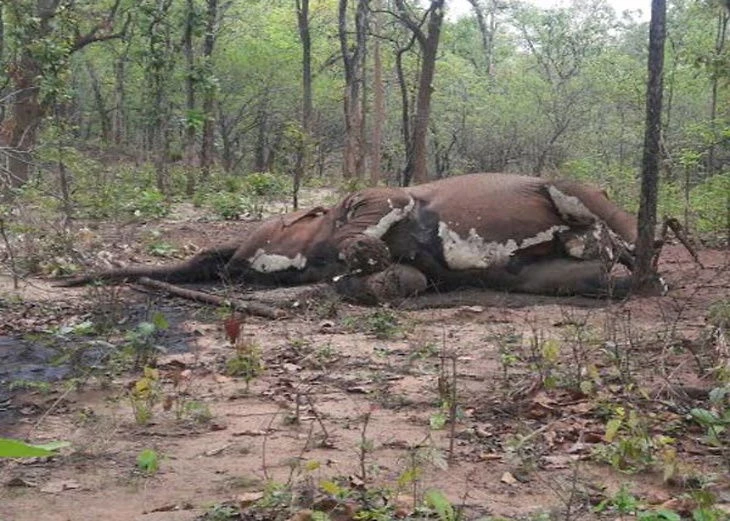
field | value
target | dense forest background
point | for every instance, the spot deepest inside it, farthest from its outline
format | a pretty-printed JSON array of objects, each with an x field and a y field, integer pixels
[{"x": 114, "y": 107}]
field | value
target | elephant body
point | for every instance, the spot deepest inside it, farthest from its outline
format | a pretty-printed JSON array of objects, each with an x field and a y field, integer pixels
[{"x": 502, "y": 231}]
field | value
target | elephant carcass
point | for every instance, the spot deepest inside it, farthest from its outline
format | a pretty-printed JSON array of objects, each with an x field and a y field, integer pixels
[{"x": 509, "y": 232}]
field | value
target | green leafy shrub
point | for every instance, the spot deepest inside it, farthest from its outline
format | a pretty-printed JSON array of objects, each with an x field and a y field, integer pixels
[
  {"x": 149, "y": 202},
  {"x": 709, "y": 202},
  {"x": 229, "y": 206},
  {"x": 265, "y": 184},
  {"x": 148, "y": 461}
]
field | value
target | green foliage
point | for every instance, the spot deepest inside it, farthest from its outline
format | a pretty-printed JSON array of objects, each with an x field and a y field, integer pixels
[
  {"x": 625, "y": 504},
  {"x": 145, "y": 394},
  {"x": 716, "y": 420},
  {"x": 221, "y": 512},
  {"x": 148, "y": 203},
  {"x": 30, "y": 385},
  {"x": 228, "y": 205},
  {"x": 630, "y": 446},
  {"x": 383, "y": 323},
  {"x": 10, "y": 448},
  {"x": 198, "y": 412},
  {"x": 443, "y": 508},
  {"x": 265, "y": 184},
  {"x": 148, "y": 461},
  {"x": 247, "y": 362},
  {"x": 142, "y": 340}
]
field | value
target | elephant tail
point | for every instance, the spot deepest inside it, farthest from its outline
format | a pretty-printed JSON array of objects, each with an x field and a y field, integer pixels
[{"x": 205, "y": 266}]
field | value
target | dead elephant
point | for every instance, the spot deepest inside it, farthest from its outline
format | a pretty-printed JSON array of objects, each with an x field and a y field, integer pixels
[{"x": 500, "y": 231}]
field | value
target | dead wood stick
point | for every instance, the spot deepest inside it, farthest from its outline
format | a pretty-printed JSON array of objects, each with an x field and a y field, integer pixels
[
  {"x": 253, "y": 308},
  {"x": 670, "y": 223}
]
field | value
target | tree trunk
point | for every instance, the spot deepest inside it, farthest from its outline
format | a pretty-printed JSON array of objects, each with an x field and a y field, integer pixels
[
  {"x": 190, "y": 80},
  {"x": 120, "y": 99},
  {"x": 261, "y": 155},
  {"x": 27, "y": 114},
  {"x": 487, "y": 23},
  {"x": 104, "y": 120},
  {"x": 405, "y": 109},
  {"x": 644, "y": 275},
  {"x": 378, "y": 105},
  {"x": 417, "y": 168},
  {"x": 353, "y": 57},
  {"x": 206, "y": 149},
  {"x": 304, "y": 36},
  {"x": 720, "y": 34},
  {"x": 25, "y": 72}
]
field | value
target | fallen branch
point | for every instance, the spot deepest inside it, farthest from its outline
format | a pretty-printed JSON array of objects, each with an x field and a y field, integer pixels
[
  {"x": 670, "y": 223},
  {"x": 253, "y": 308}
]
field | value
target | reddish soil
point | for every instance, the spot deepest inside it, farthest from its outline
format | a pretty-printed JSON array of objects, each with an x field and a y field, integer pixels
[{"x": 537, "y": 380}]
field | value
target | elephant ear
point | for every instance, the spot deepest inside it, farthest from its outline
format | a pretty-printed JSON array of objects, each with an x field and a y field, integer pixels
[{"x": 295, "y": 217}]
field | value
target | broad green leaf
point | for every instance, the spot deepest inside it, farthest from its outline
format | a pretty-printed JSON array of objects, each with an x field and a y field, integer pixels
[
  {"x": 659, "y": 515},
  {"x": 436, "y": 500},
  {"x": 704, "y": 417},
  {"x": 10, "y": 448}
]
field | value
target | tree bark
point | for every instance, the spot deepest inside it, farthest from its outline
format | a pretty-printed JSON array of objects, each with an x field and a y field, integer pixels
[
  {"x": 417, "y": 166},
  {"x": 253, "y": 308},
  {"x": 405, "y": 106},
  {"x": 104, "y": 120},
  {"x": 26, "y": 70},
  {"x": 353, "y": 58},
  {"x": 720, "y": 35},
  {"x": 487, "y": 23},
  {"x": 304, "y": 35},
  {"x": 26, "y": 116},
  {"x": 190, "y": 81},
  {"x": 378, "y": 105},
  {"x": 120, "y": 98},
  {"x": 644, "y": 274},
  {"x": 206, "y": 149}
]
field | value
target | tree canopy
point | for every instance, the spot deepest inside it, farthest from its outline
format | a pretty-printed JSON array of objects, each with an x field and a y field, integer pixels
[{"x": 195, "y": 88}]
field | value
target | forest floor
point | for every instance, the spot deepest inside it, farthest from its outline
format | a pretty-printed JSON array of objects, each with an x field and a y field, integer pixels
[{"x": 558, "y": 403}]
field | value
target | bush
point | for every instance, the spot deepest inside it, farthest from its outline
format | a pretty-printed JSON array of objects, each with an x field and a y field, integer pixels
[
  {"x": 148, "y": 203},
  {"x": 227, "y": 205},
  {"x": 265, "y": 184}
]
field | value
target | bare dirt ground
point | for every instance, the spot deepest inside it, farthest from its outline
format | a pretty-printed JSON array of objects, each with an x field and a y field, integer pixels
[{"x": 358, "y": 397}]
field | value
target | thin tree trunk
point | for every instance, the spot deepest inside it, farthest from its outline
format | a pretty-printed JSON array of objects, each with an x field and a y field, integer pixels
[
  {"x": 644, "y": 275},
  {"x": 487, "y": 24},
  {"x": 361, "y": 31},
  {"x": 720, "y": 34},
  {"x": 262, "y": 150},
  {"x": 189, "y": 51},
  {"x": 417, "y": 167},
  {"x": 120, "y": 99},
  {"x": 353, "y": 58},
  {"x": 405, "y": 108},
  {"x": 378, "y": 106},
  {"x": 206, "y": 150},
  {"x": 104, "y": 121},
  {"x": 304, "y": 36}
]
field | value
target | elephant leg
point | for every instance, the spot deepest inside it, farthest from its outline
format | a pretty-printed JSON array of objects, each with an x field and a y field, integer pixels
[
  {"x": 364, "y": 254},
  {"x": 393, "y": 284},
  {"x": 567, "y": 276}
]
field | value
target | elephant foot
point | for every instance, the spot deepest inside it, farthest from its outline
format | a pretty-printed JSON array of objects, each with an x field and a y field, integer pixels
[
  {"x": 391, "y": 285},
  {"x": 364, "y": 254}
]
